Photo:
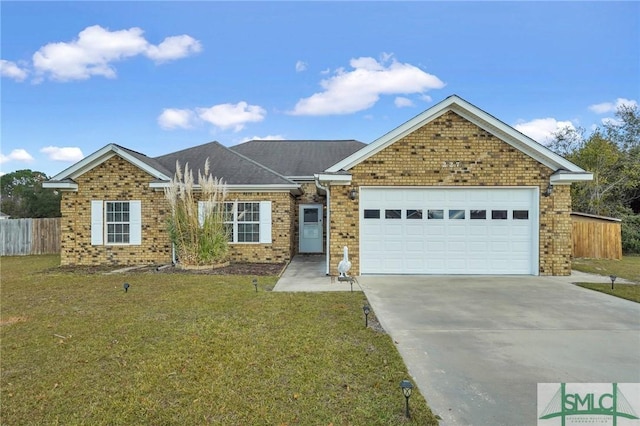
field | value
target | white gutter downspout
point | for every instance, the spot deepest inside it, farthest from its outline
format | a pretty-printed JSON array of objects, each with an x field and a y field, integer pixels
[{"x": 328, "y": 224}]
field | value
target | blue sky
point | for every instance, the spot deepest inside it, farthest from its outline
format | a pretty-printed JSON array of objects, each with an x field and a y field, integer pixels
[{"x": 157, "y": 77}]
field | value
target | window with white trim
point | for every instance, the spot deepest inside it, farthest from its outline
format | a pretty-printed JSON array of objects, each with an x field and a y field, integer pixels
[
  {"x": 246, "y": 226},
  {"x": 247, "y": 221},
  {"x": 116, "y": 222}
]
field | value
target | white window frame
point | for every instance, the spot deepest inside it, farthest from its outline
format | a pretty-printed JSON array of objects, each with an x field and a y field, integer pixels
[
  {"x": 99, "y": 223},
  {"x": 263, "y": 222}
]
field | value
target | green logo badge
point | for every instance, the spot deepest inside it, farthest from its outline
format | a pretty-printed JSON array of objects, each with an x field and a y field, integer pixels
[{"x": 590, "y": 403}]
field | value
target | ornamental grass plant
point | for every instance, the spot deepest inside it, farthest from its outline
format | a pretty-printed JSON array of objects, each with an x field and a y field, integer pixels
[{"x": 197, "y": 212}]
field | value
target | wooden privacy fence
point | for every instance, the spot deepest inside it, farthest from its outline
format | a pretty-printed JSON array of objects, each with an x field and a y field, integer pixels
[
  {"x": 596, "y": 237},
  {"x": 29, "y": 236}
]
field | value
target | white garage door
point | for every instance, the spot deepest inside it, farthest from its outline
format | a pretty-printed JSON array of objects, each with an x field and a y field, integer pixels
[{"x": 448, "y": 231}]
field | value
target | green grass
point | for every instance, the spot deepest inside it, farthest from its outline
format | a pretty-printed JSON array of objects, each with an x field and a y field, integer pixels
[
  {"x": 628, "y": 267},
  {"x": 189, "y": 349},
  {"x": 624, "y": 291}
]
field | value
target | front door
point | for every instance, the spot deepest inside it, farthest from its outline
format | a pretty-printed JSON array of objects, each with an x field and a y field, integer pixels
[{"x": 310, "y": 228}]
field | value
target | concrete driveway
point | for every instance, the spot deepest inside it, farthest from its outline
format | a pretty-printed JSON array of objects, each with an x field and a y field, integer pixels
[{"x": 477, "y": 346}]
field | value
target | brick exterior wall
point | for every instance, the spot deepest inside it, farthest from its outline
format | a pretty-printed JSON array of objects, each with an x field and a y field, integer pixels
[
  {"x": 451, "y": 151},
  {"x": 281, "y": 249},
  {"x": 118, "y": 180},
  {"x": 114, "y": 180}
]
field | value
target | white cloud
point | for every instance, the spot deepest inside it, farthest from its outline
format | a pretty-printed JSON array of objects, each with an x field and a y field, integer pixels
[
  {"x": 265, "y": 138},
  {"x": 67, "y": 153},
  {"x": 175, "y": 47},
  {"x": 95, "y": 49},
  {"x": 542, "y": 129},
  {"x": 301, "y": 66},
  {"x": 402, "y": 102},
  {"x": 234, "y": 116},
  {"x": 12, "y": 70},
  {"x": 607, "y": 107},
  {"x": 223, "y": 116},
  {"x": 19, "y": 154},
  {"x": 172, "y": 118},
  {"x": 359, "y": 89}
]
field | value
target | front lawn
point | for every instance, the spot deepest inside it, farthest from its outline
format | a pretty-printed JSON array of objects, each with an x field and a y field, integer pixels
[
  {"x": 628, "y": 267},
  {"x": 189, "y": 349},
  {"x": 624, "y": 291}
]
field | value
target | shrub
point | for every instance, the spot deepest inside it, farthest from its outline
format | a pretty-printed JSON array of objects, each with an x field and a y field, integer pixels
[{"x": 631, "y": 234}]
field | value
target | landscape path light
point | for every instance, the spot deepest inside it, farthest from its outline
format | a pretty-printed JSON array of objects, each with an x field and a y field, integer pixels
[
  {"x": 366, "y": 309},
  {"x": 613, "y": 280},
  {"x": 406, "y": 387},
  {"x": 255, "y": 284}
]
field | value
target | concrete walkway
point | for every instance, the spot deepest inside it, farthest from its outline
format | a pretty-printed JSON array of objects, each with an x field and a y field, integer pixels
[{"x": 307, "y": 273}]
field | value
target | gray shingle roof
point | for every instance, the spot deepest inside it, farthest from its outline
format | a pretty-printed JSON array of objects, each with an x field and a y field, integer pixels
[
  {"x": 298, "y": 157},
  {"x": 149, "y": 161},
  {"x": 233, "y": 167}
]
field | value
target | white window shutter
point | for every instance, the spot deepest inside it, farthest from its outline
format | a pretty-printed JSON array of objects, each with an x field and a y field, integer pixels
[
  {"x": 97, "y": 227},
  {"x": 201, "y": 213},
  {"x": 135, "y": 222},
  {"x": 265, "y": 222}
]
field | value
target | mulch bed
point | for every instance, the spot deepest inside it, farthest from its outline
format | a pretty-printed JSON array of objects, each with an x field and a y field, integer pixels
[{"x": 259, "y": 269}]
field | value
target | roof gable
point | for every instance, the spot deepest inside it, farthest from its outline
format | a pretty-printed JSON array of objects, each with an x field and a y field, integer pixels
[
  {"x": 233, "y": 167},
  {"x": 143, "y": 162},
  {"x": 483, "y": 120},
  {"x": 298, "y": 158}
]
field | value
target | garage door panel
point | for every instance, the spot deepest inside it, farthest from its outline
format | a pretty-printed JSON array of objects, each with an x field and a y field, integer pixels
[
  {"x": 414, "y": 229},
  {"x": 501, "y": 230},
  {"x": 435, "y": 230},
  {"x": 393, "y": 196},
  {"x": 415, "y": 247},
  {"x": 460, "y": 196},
  {"x": 455, "y": 247},
  {"x": 477, "y": 248},
  {"x": 443, "y": 245},
  {"x": 500, "y": 247},
  {"x": 395, "y": 229},
  {"x": 520, "y": 231},
  {"x": 434, "y": 247},
  {"x": 520, "y": 246},
  {"x": 457, "y": 229},
  {"x": 477, "y": 230}
]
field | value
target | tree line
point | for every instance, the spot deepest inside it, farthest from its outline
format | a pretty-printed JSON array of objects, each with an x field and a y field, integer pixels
[
  {"x": 612, "y": 153},
  {"x": 22, "y": 195}
]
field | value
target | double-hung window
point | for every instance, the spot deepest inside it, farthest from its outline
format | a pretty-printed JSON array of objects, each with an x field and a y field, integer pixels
[
  {"x": 116, "y": 222},
  {"x": 248, "y": 221}
]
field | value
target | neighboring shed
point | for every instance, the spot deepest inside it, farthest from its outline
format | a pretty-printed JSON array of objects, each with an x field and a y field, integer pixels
[{"x": 596, "y": 237}]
